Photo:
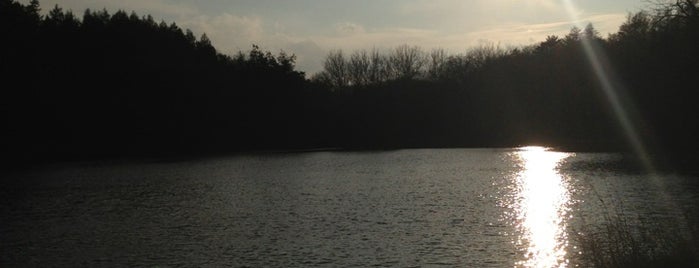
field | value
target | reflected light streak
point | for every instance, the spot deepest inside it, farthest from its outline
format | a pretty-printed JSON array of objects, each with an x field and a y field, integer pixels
[{"x": 543, "y": 200}]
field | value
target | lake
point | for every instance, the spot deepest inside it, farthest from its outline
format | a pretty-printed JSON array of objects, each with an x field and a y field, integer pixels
[{"x": 407, "y": 208}]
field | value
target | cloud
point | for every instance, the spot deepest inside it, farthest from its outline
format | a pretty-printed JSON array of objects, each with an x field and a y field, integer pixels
[
  {"x": 481, "y": 10},
  {"x": 377, "y": 37},
  {"x": 309, "y": 55},
  {"x": 229, "y": 33},
  {"x": 348, "y": 28}
]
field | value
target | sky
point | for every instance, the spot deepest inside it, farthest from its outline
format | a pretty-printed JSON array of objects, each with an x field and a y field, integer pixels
[{"x": 311, "y": 28}]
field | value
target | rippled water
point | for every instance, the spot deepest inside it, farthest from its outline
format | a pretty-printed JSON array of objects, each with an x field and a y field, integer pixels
[{"x": 407, "y": 208}]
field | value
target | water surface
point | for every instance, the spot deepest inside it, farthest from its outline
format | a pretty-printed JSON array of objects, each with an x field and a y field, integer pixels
[{"x": 406, "y": 208}]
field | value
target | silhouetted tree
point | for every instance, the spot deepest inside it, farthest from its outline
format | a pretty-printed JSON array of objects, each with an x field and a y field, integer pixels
[
  {"x": 335, "y": 67},
  {"x": 551, "y": 43},
  {"x": 407, "y": 62},
  {"x": 204, "y": 45},
  {"x": 436, "y": 64},
  {"x": 378, "y": 69},
  {"x": 574, "y": 35},
  {"x": 590, "y": 32},
  {"x": 358, "y": 68}
]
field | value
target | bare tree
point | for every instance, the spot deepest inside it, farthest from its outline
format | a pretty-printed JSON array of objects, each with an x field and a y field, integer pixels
[
  {"x": 436, "y": 63},
  {"x": 322, "y": 77},
  {"x": 335, "y": 66},
  {"x": 668, "y": 13},
  {"x": 478, "y": 56},
  {"x": 407, "y": 61},
  {"x": 638, "y": 24},
  {"x": 456, "y": 68},
  {"x": 378, "y": 71},
  {"x": 359, "y": 68}
]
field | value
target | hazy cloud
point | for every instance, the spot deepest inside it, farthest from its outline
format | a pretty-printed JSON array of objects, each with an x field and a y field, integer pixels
[
  {"x": 229, "y": 33},
  {"x": 348, "y": 28},
  {"x": 309, "y": 55}
]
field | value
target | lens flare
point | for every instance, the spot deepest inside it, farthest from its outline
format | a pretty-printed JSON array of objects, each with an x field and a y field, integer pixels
[{"x": 597, "y": 59}]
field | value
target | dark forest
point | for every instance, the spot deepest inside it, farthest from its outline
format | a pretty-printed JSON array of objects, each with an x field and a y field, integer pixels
[{"x": 122, "y": 85}]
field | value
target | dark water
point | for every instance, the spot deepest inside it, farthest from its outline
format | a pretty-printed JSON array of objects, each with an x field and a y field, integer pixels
[{"x": 408, "y": 208}]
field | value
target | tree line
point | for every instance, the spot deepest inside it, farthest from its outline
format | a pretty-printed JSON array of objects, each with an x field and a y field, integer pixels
[
  {"x": 546, "y": 93},
  {"x": 125, "y": 85}
]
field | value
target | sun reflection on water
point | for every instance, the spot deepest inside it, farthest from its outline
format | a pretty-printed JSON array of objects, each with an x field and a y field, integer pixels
[{"x": 542, "y": 206}]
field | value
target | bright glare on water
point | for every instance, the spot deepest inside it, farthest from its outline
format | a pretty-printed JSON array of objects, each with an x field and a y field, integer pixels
[{"x": 542, "y": 206}]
